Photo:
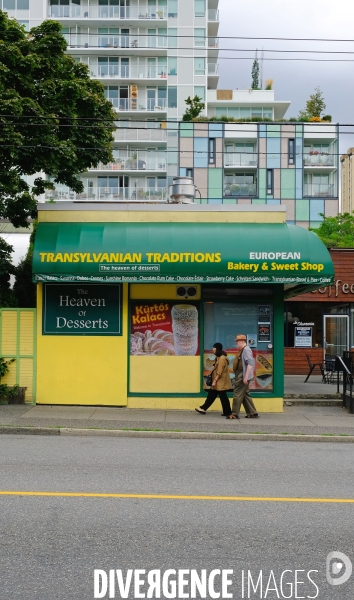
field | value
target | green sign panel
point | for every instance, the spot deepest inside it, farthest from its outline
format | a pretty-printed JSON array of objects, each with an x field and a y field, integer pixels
[
  {"x": 180, "y": 253},
  {"x": 82, "y": 309}
]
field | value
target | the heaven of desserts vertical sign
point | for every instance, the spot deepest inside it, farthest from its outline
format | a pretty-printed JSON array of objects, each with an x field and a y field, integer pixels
[{"x": 164, "y": 329}]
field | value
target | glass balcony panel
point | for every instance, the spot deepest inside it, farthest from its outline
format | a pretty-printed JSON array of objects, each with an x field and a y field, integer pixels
[
  {"x": 110, "y": 194},
  {"x": 319, "y": 190},
  {"x": 319, "y": 159},
  {"x": 240, "y": 159},
  {"x": 242, "y": 190}
]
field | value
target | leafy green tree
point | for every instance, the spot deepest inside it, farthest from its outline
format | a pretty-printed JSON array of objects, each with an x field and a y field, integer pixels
[
  {"x": 24, "y": 289},
  {"x": 194, "y": 108},
  {"x": 314, "y": 106},
  {"x": 7, "y": 269},
  {"x": 54, "y": 119},
  {"x": 337, "y": 232},
  {"x": 255, "y": 74}
]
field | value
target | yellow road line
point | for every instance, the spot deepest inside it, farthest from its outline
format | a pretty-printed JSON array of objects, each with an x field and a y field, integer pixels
[{"x": 178, "y": 497}]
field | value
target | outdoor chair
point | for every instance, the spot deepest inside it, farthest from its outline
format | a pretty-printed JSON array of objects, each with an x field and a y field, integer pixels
[{"x": 313, "y": 366}]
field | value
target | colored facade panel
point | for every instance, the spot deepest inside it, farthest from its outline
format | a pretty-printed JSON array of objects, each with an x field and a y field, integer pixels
[
  {"x": 215, "y": 177},
  {"x": 273, "y": 153},
  {"x": 302, "y": 211},
  {"x": 287, "y": 183}
]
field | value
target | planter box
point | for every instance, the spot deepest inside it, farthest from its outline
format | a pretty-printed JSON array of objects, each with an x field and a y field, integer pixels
[{"x": 18, "y": 398}]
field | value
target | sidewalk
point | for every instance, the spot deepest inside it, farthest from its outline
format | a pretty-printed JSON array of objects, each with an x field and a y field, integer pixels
[
  {"x": 301, "y": 420},
  {"x": 294, "y": 386}
]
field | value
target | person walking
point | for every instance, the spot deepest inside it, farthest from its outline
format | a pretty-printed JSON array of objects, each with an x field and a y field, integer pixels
[
  {"x": 243, "y": 367},
  {"x": 221, "y": 382}
]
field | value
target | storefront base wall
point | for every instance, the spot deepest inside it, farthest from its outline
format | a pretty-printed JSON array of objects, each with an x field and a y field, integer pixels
[
  {"x": 164, "y": 374},
  {"x": 82, "y": 370},
  {"x": 295, "y": 362},
  {"x": 264, "y": 405}
]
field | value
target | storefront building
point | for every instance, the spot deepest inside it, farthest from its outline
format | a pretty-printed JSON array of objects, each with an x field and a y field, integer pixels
[
  {"x": 131, "y": 299},
  {"x": 320, "y": 323}
]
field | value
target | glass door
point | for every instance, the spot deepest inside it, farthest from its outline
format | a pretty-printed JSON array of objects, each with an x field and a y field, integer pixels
[{"x": 336, "y": 334}]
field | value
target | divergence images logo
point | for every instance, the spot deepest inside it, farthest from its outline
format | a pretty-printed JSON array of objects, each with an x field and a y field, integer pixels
[{"x": 340, "y": 564}]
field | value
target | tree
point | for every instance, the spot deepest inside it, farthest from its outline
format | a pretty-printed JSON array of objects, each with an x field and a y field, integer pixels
[
  {"x": 54, "y": 119},
  {"x": 194, "y": 108},
  {"x": 337, "y": 232},
  {"x": 24, "y": 289},
  {"x": 314, "y": 106},
  {"x": 6, "y": 270},
  {"x": 255, "y": 74}
]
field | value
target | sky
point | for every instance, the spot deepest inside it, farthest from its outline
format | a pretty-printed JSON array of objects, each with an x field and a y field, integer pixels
[{"x": 293, "y": 80}]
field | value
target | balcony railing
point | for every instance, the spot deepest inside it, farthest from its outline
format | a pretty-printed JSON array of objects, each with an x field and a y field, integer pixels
[
  {"x": 242, "y": 190},
  {"x": 134, "y": 104},
  {"x": 213, "y": 68},
  {"x": 93, "y": 40},
  {"x": 140, "y": 162},
  {"x": 320, "y": 159},
  {"x": 319, "y": 190},
  {"x": 213, "y": 14},
  {"x": 240, "y": 159},
  {"x": 213, "y": 42},
  {"x": 110, "y": 194},
  {"x": 107, "y": 12},
  {"x": 119, "y": 71},
  {"x": 140, "y": 135}
]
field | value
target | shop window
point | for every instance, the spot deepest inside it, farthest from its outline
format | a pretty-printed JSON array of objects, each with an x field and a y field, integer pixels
[
  {"x": 172, "y": 65},
  {"x": 199, "y": 8},
  {"x": 172, "y": 37},
  {"x": 172, "y": 9},
  {"x": 186, "y": 172},
  {"x": 224, "y": 320},
  {"x": 172, "y": 97},
  {"x": 212, "y": 152},
  {"x": 199, "y": 66},
  {"x": 199, "y": 37},
  {"x": 270, "y": 181},
  {"x": 199, "y": 90}
]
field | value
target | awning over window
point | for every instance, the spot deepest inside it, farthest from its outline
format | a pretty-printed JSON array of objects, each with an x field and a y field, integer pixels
[{"x": 182, "y": 253}]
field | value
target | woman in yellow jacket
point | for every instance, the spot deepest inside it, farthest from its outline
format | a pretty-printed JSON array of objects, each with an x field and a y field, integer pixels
[{"x": 221, "y": 382}]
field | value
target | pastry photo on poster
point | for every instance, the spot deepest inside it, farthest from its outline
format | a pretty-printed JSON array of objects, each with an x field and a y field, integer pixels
[{"x": 164, "y": 329}]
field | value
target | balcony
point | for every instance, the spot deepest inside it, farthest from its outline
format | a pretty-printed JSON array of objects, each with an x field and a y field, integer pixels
[
  {"x": 94, "y": 40},
  {"x": 240, "y": 159},
  {"x": 319, "y": 190},
  {"x": 107, "y": 12},
  {"x": 139, "y": 105},
  {"x": 140, "y": 135},
  {"x": 213, "y": 68},
  {"x": 319, "y": 159},
  {"x": 140, "y": 161},
  {"x": 240, "y": 190},
  {"x": 213, "y": 42},
  {"x": 109, "y": 194},
  {"x": 120, "y": 71},
  {"x": 213, "y": 15}
]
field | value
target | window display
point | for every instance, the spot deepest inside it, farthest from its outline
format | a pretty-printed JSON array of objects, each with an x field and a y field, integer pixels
[
  {"x": 223, "y": 320},
  {"x": 164, "y": 329}
]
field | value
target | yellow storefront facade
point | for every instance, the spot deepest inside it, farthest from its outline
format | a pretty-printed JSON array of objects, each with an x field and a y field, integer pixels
[{"x": 131, "y": 298}]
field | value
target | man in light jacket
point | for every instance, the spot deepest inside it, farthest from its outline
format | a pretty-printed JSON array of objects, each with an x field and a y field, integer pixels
[{"x": 243, "y": 367}]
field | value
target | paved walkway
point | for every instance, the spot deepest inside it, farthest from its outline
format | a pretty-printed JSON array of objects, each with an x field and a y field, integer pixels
[
  {"x": 295, "y": 419},
  {"x": 294, "y": 385}
]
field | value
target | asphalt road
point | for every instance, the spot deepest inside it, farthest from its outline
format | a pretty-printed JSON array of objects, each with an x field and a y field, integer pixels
[{"x": 50, "y": 546}]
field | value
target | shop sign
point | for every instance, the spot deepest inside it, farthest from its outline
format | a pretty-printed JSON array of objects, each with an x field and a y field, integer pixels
[
  {"x": 87, "y": 309},
  {"x": 164, "y": 329},
  {"x": 182, "y": 253},
  {"x": 303, "y": 337}
]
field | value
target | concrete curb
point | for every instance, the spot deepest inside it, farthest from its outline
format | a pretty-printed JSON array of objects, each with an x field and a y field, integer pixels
[{"x": 190, "y": 435}]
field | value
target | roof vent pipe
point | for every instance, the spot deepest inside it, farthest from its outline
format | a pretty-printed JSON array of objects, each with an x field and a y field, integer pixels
[{"x": 182, "y": 190}]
